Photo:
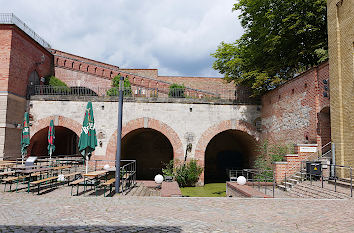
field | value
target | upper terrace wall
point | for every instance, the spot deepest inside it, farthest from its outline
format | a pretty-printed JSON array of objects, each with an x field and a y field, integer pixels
[
  {"x": 20, "y": 55},
  {"x": 290, "y": 113}
]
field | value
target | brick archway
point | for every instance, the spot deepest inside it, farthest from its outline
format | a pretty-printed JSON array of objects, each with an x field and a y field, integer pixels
[
  {"x": 214, "y": 130},
  {"x": 62, "y": 121},
  {"x": 147, "y": 123}
]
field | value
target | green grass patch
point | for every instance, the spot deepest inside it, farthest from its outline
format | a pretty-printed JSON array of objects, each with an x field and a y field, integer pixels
[{"x": 208, "y": 190}]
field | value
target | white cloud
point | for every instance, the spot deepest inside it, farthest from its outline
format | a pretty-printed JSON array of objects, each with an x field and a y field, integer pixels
[{"x": 176, "y": 37}]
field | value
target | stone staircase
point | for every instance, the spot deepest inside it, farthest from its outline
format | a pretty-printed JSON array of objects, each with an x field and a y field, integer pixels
[
  {"x": 298, "y": 186},
  {"x": 306, "y": 190}
]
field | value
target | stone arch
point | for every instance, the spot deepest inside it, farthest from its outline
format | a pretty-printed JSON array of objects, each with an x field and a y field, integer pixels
[
  {"x": 214, "y": 130},
  {"x": 58, "y": 121},
  {"x": 324, "y": 129},
  {"x": 147, "y": 123},
  {"x": 62, "y": 121}
]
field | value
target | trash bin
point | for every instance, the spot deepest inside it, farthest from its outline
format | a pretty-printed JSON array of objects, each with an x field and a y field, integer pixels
[{"x": 314, "y": 168}]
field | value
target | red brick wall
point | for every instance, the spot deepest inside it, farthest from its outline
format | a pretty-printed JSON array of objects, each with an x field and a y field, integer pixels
[
  {"x": 5, "y": 47},
  {"x": 290, "y": 112},
  {"x": 25, "y": 52},
  {"x": 80, "y": 71},
  {"x": 151, "y": 73},
  {"x": 75, "y": 78},
  {"x": 203, "y": 83}
]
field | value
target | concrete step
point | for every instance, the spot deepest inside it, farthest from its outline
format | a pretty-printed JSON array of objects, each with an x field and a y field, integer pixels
[
  {"x": 288, "y": 184},
  {"x": 294, "y": 181},
  {"x": 282, "y": 187},
  {"x": 340, "y": 183},
  {"x": 319, "y": 192},
  {"x": 297, "y": 177}
]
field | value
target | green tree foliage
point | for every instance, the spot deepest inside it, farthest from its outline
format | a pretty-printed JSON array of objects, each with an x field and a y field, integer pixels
[
  {"x": 115, "y": 87},
  {"x": 57, "y": 85},
  {"x": 176, "y": 90},
  {"x": 281, "y": 37}
]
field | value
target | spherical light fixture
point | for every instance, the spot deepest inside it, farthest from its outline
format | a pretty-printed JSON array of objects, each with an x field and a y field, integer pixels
[
  {"x": 241, "y": 180},
  {"x": 106, "y": 167},
  {"x": 158, "y": 179}
]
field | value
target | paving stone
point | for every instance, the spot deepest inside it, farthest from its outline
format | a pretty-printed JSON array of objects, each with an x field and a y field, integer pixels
[{"x": 59, "y": 212}]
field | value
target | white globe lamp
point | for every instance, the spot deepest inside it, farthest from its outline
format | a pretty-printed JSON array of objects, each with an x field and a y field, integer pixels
[
  {"x": 106, "y": 167},
  {"x": 158, "y": 179},
  {"x": 241, "y": 180}
]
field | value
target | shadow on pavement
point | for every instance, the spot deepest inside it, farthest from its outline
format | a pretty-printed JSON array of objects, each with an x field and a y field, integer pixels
[{"x": 92, "y": 228}]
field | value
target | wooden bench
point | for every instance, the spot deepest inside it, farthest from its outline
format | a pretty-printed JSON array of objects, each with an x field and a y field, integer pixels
[
  {"x": 77, "y": 183},
  {"x": 39, "y": 182},
  {"x": 7, "y": 173},
  {"x": 108, "y": 183},
  {"x": 12, "y": 179}
]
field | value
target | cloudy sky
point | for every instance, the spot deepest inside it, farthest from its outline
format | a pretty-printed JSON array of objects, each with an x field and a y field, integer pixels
[{"x": 175, "y": 36}]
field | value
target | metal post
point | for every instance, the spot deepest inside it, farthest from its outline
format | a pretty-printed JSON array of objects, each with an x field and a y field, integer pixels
[
  {"x": 351, "y": 183},
  {"x": 333, "y": 149},
  {"x": 119, "y": 133}
]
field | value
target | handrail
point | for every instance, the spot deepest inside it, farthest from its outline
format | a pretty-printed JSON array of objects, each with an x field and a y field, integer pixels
[
  {"x": 334, "y": 176},
  {"x": 126, "y": 182},
  {"x": 256, "y": 177},
  {"x": 10, "y": 18}
]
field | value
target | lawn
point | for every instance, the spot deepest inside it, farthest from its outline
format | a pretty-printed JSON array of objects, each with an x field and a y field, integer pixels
[{"x": 208, "y": 190}]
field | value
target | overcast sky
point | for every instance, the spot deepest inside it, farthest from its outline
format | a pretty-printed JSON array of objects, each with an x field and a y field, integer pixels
[{"x": 175, "y": 36}]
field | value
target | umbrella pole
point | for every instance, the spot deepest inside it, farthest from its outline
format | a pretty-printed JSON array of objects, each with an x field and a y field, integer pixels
[
  {"x": 86, "y": 163},
  {"x": 23, "y": 155},
  {"x": 50, "y": 157}
]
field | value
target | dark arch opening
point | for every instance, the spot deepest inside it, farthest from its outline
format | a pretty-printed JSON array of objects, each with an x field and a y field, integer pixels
[
  {"x": 66, "y": 142},
  {"x": 325, "y": 128},
  {"x": 33, "y": 80},
  {"x": 151, "y": 150},
  {"x": 230, "y": 149},
  {"x": 82, "y": 91}
]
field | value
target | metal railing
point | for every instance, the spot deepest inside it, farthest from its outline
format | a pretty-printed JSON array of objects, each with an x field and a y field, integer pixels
[
  {"x": 127, "y": 170},
  {"x": 326, "y": 151},
  {"x": 342, "y": 174},
  {"x": 256, "y": 178},
  {"x": 9, "y": 18},
  {"x": 236, "y": 96}
]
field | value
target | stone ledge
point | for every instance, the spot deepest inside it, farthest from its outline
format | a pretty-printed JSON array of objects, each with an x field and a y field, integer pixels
[
  {"x": 291, "y": 155},
  {"x": 136, "y": 99},
  {"x": 170, "y": 189},
  {"x": 310, "y": 145},
  {"x": 280, "y": 162},
  {"x": 245, "y": 190}
]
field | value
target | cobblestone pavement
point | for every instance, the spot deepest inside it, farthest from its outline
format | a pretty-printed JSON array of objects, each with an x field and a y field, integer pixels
[{"x": 21, "y": 212}]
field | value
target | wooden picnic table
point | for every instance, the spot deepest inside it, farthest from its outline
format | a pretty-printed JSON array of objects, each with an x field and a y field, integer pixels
[
  {"x": 95, "y": 176},
  {"x": 96, "y": 173},
  {"x": 7, "y": 165}
]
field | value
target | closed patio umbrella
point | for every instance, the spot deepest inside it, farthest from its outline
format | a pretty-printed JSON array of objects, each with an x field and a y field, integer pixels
[
  {"x": 88, "y": 140},
  {"x": 25, "y": 136},
  {"x": 51, "y": 137}
]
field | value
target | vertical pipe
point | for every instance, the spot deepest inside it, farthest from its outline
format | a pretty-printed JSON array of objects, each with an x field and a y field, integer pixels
[
  {"x": 351, "y": 183},
  {"x": 322, "y": 177},
  {"x": 333, "y": 157},
  {"x": 119, "y": 133}
]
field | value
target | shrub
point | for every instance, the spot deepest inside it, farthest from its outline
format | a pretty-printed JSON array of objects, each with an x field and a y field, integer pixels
[
  {"x": 168, "y": 170},
  {"x": 114, "y": 91},
  {"x": 268, "y": 154},
  {"x": 176, "y": 91},
  {"x": 58, "y": 85},
  {"x": 188, "y": 174}
]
